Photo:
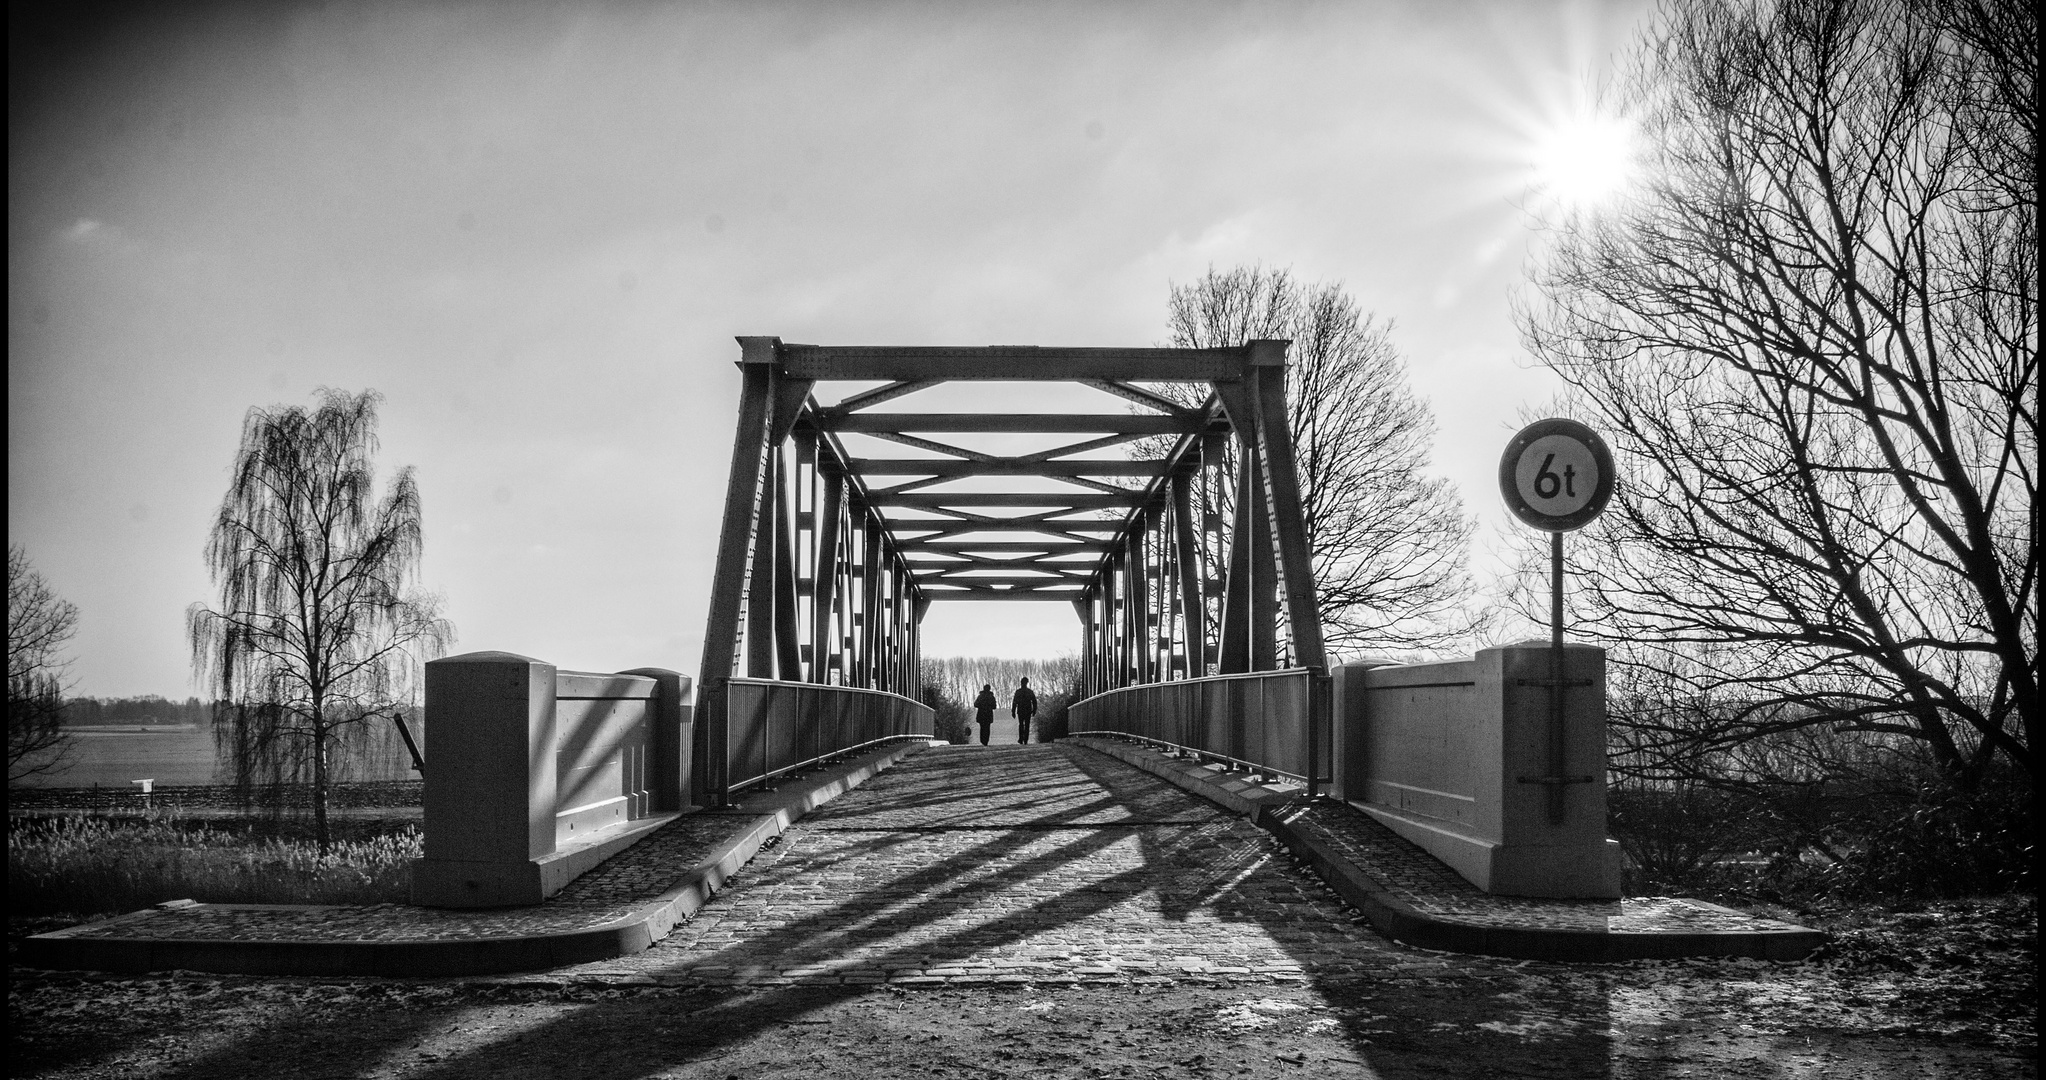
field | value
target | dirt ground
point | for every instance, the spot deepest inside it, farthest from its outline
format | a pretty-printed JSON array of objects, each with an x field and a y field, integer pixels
[{"x": 1947, "y": 991}]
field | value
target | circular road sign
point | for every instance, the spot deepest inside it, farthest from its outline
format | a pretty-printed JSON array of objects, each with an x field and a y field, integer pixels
[{"x": 1556, "y": 475}]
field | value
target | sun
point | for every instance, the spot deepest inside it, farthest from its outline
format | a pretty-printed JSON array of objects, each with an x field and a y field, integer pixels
[{"x": 1584, "y": 160}]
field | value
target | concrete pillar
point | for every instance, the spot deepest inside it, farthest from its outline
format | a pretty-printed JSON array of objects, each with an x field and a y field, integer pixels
[
  {"x": 1346, "y": 750},
  {"x": 494, "y": 741},
  {"x": 1462, "y": 750},
  {"x": 1535, "y": 856},
  {"x": 490, "y": 794}
]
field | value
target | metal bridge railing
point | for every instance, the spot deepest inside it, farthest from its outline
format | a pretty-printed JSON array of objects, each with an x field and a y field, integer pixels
[
  {"x": 1273, "y": 721},
  {"x": 774, "y": 727}
]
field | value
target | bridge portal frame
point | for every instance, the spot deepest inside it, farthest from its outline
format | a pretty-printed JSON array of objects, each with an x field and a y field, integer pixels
[{"x": 816, "y": 582}]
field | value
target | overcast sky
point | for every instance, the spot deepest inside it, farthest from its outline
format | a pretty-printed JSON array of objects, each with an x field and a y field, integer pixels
[{"x": 536, "y": 228}]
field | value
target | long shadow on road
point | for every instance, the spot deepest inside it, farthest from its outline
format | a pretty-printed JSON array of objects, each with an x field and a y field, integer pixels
[{"x": 913, "y": 893}]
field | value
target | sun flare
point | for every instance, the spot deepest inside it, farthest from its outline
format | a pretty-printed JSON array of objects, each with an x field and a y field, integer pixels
[{"x": 1584, "y": 160}]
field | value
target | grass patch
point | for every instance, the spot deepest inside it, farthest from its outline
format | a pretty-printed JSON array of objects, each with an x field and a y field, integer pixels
[{"x": 96, "y": 865}]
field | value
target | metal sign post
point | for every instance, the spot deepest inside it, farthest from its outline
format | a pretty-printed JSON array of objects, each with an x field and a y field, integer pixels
[{"x": 1556, "y": 476}]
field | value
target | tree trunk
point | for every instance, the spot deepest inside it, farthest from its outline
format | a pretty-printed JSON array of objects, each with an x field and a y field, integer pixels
[{"x": 320, "y": 786}]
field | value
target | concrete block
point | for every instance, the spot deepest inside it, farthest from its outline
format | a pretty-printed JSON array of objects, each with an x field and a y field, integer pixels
[
  {"x": 1472, "y": 857},
  {"x": 453, "y": 883},
  {"x": 490, "y": 725},
  {"x": 1451, "y": 755},
  {"x": 533, "y": 772}
]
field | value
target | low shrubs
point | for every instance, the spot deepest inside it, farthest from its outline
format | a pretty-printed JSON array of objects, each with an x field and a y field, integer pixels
[
  {"x": 93, "y": 865},
  {"x": 1830, "y": 841}
]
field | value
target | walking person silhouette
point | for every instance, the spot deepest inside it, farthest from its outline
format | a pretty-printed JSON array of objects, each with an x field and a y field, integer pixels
[
  {"x": 984, "y": 710},
  {"x": 1023, "y": 706}
]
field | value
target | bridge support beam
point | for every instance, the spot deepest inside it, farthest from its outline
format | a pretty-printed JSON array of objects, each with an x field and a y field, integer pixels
[{"x": 827, "y": 562}]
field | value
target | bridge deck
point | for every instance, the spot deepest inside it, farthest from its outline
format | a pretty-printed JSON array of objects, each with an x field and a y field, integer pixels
[
  {"x": 1016, "y": 862},
  {"x": 1005, "y": 864}
]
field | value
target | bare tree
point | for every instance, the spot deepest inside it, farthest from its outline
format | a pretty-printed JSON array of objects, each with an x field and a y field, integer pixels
[
  {"x": 1812, "y": 333},
  {"x": 1389, "y": 543},
  {"x": 39, "y": 625},
  {"x": 317, "y": 631}
]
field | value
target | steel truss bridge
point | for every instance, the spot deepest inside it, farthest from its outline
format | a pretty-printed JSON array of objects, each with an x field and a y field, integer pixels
[{"x": 1174, "y": 530}]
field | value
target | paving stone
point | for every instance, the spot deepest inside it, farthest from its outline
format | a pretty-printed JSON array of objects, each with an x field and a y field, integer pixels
[{"x": 1023, "y": 864}]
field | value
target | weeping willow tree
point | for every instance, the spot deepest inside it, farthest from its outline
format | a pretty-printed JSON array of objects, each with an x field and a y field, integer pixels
[{"x": 320, "y": 627}]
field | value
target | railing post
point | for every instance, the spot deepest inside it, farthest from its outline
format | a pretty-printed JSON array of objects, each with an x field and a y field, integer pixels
[{"x": 1320, "y": 709}]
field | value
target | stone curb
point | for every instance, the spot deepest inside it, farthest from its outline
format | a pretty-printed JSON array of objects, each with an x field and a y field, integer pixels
[
  {"x": 776, "y": 811},
  {"x": 1402, "y": 921},
  {"x": 1247, "y": 797}
]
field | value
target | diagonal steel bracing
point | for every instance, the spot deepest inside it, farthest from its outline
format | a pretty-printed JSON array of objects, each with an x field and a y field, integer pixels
[{"x": 1185, "y": 558}]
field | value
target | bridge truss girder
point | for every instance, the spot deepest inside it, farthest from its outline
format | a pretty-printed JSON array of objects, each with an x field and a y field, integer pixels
[{"x": 822, "y": 577}]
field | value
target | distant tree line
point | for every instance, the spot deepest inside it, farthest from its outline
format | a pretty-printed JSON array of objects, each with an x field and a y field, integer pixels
[
  {"x": 949, "y": 685},
  {"x": 147, "y": 709}
]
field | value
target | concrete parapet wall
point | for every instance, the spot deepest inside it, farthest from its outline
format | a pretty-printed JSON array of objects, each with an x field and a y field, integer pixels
[
  {"x": 1451, "y": 755},
  {"x": 534, "y": 775}
]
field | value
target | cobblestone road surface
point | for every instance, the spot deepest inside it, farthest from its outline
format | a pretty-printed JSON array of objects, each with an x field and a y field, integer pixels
[
  {"x": 1016, "y": 864},
  {"x": 1040, "y": 912}
]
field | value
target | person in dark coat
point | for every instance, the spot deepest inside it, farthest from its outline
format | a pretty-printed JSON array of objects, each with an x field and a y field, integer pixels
[
  {"x": 984, "y": 710},
  {"x": 1023, "y": 706}
]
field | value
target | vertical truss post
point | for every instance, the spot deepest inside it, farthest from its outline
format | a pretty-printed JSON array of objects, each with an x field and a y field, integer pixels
[
  {"x": 846, "y": 644},
  {"x": 916, "y": 661},
  {"x": 771, "y": 596},
  {"x": 1158, "y": 580},
  {"x": 1189, "y": 566},
  {"x": 1141, "y": 647},
  {"x": 1264, "y": 570},
  {"x": 891, "y": 642},
  {"x": 1289, "y": 533},
  {"x": 871, "y": 616},
  {"x": 1112, "y": 620},
  {"x": 1136, "y": 606},
  {"x": 1214, "y": 467},
  {"x": 824, "y": 594},
  {"x": 1097, "y": 646},
  {"x": 905, "y": 622},
  {"x": 1084, "y": 608},
  {"x": 787, "y": 643},
  {"x": 1288, "y": 517},
  {"x": 1236, "y": 605},
  {"x": 808, "y": 482},
  {"x": 1243, "y": 401},
  {"x": 760, "y": 598},
  {"x": 736, "y": 535},
  {"x": 914, "y": 603}
]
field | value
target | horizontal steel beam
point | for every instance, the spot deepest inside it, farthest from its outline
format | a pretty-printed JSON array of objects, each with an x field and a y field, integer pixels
[
  {"x": 1069, "y": 501},
  {"x": 985, "y": 565},
  {"x": 1039, "y": 595},
  {"x": 967, "y": 547},
  {"x": 1005, "y": 467},
  {"x": 994, "y": 584},
  {"x": 1012, "y": 362},
  {"x": 1026, "y": 423},
  {"x": 1031, "y": 524}
]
